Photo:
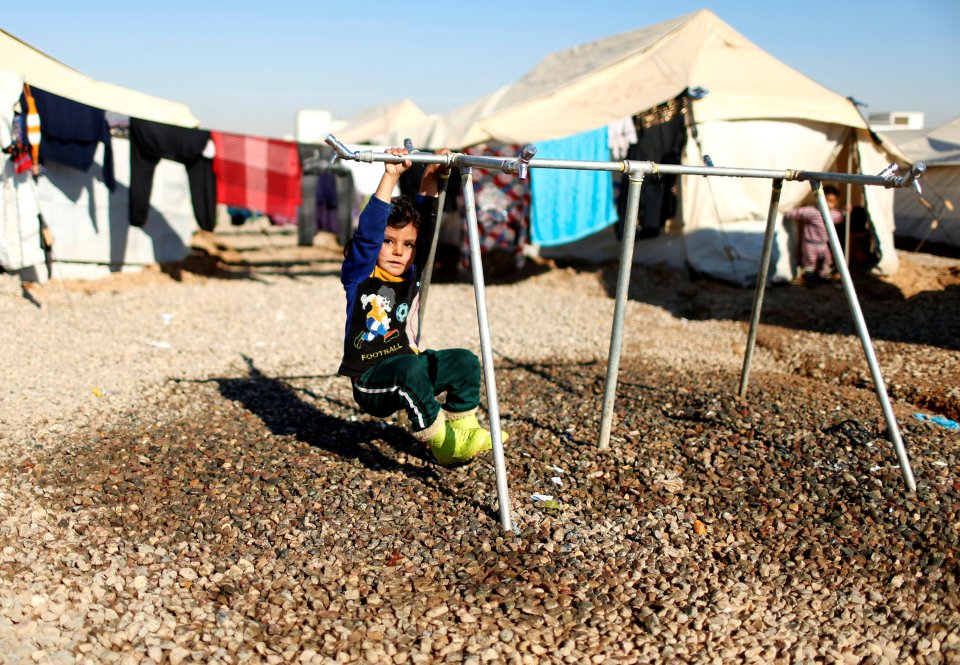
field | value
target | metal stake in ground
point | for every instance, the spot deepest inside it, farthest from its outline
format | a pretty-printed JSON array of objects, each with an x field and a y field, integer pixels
[
  {"x": 761, "y": 284},
  {"x": 493, "y": 408},
  {"x": 861, "y": 325},
  {"x": 620, "y": 309}
]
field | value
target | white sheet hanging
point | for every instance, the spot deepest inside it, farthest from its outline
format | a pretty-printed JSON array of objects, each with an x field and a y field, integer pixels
[{"x": 19, "y": 223}]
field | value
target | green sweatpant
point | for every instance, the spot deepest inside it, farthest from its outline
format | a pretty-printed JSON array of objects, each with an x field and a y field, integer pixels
[{"x": 412, "y": 382}]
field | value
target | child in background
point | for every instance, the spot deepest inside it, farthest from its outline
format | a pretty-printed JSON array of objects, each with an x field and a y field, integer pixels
[
  {"x": 816, "y": 259},
  {"x": 381, "y": 276}
]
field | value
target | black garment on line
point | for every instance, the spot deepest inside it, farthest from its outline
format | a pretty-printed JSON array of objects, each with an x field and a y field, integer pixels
[
  {"x": 662, "y": 144},
  {"x": 315, "y": 161},
  {"x": 70, "y": 132},
  {"x": 152, "y": 141},
  {"x": 327, "y": 206},
  {"x": 346, "y": 193}
]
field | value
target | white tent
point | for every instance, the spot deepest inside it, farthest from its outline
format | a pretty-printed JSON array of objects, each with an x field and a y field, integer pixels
[
  {"x": 89, "y": 223},
  {"x": 49, "y": 74},
  {"x": 940, "y": 222},
  {"x": 381, "y": 120},
  {"x": 455, "y": 129},
  {"x": 757, "y": 113}
]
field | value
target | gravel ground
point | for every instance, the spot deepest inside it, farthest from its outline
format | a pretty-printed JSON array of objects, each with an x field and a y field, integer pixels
[{"x": 184, "y": 479}]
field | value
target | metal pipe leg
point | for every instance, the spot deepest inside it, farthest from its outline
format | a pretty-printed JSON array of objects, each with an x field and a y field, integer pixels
[
  {"x": 761, "y": 285},
  {"x": 849, "y": 192},
  {"x": 493, "y": 408},
  {"x": 623, "y": 288},
  {"x": 861, "y": 325},
  {"x": 427, "y": 276}
]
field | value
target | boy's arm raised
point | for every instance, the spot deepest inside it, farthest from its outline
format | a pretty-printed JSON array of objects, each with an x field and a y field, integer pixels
[{"x": 391, "y": 175}]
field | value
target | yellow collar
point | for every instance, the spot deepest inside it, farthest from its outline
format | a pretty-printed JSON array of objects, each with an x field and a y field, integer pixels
[{"x": 380, "y": 273}]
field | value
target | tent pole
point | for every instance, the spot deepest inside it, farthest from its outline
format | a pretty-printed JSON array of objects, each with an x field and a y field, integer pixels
[
  {"x": 761, "y": 284},
  {"x": 493, "y": 409},
  {"x": 861, "y": 325},
  {"x": 623, "y": 288}
]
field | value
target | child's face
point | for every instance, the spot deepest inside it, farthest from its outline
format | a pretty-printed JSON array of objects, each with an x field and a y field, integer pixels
[
  {"x": 398, "y": 250},
  {"x": 832, "y": 201}
]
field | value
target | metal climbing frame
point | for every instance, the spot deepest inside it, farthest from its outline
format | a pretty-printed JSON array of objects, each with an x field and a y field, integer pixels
[{"x": 636, "y": 171}]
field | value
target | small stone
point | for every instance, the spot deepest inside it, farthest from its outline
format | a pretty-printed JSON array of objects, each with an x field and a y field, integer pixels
[{"x": 178, "y": 655}]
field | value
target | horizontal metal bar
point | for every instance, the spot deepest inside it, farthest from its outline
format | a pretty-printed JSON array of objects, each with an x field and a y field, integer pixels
[
  {"x": 510, "y": 165},
  {"x": 580, "y": 165},
  {"x": 504, "y": 164},
  {"x": 852, "y": 178},
  {"x": 681, "y": 169}
]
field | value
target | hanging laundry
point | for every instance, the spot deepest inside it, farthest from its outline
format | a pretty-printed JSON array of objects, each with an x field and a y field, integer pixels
[
  {"x": 20, "y": 243},
  {"x": 621, "y": 134},
  {"x": 661, "y": 132},
  {"x": 503, "y": 206},
  {"x": 258, "y": 173},
  {"x": 19, "y": 149},
  {"x": 152, "y": 141},
  {"x": 571, "y": 204},
  {"x": 327, "y": 214},
  {"x": 366, "y": 176},
  {"x": 70, "y": 132},
  {"x": 33, "y": 136},
  {"x": 346, "y": 200}
]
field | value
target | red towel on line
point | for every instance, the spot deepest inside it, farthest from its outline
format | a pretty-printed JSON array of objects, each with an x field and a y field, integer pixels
[{"x": 257, "y": 173}]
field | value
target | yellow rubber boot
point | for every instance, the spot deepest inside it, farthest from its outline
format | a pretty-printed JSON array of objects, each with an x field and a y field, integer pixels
[
  {"x": 471, "y": 422},
  {"x": 461, "y": 444}
]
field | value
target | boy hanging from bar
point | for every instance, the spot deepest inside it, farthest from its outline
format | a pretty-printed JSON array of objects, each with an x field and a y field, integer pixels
[{"x": 381, "y": 276}]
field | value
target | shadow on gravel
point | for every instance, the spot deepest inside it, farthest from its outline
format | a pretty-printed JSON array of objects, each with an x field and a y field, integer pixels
[
  {"x": 284, "y": 413},
  {"x": 927, "y": 317},
  {"x": 570, "y": 382}
]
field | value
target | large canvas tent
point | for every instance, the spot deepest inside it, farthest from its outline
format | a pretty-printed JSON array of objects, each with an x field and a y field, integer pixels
[
  {"x": 757, "y": 112},
  {"x": 381, "y": 120},
  {"x": 89, "y": 223},
  {"x": 940, "y": 222},
  {"x": 45, "y": 72}
]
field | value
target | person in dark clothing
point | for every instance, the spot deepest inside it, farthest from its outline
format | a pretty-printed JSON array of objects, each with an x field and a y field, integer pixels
[
  {"x": 864, "y": 246},
  {"x": 152, "y": 141},
  {"x": 381, "y": 277}
]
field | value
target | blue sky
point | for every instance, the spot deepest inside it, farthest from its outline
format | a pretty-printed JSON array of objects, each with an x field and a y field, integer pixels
[{"x": 250, "y": 66}]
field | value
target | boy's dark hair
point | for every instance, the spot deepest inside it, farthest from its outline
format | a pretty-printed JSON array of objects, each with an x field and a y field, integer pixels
[
  {"x": 404, "y": 212},
  {"x": 830, "y": 189}
]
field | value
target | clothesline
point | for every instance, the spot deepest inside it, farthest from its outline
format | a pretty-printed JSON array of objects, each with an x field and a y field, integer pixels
[{"x": 267, "y": 176}]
